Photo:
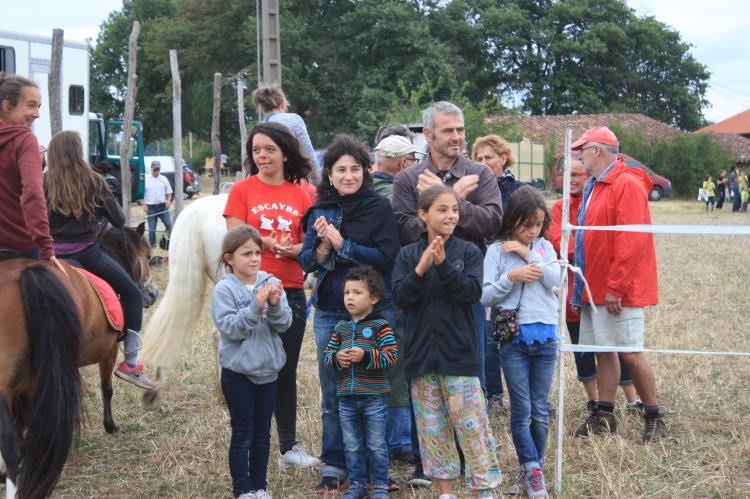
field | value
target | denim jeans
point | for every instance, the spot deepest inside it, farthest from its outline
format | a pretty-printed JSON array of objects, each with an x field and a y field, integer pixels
[
  {"x": 332, "y": 453},
  {"x": 250, "y": 408},
  {"x": 492, "y": 365},
  {"x": 481, "y": 331},
  {"x": 528, "y": 375},
  {"x": 286, "y": 393},
  {"x": 102, "y": 265},
  {"x": 398, "y": 426},
  {"x": 398, "y": 430},
  {"x": 156, "y": 212},
  {"x": 33, "y": 254},
  {"x": 363, "y": 427}
]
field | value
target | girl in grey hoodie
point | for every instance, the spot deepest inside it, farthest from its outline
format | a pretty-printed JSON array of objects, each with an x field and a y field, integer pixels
[{"x": 250, "y": 310}]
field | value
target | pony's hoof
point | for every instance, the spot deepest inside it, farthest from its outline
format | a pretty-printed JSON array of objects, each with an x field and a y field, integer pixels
[
  {"x": 111, "y": 427},
  {"x": 150, "y": 399}
]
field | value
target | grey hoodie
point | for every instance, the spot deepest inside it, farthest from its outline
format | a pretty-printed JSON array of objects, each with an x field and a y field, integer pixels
[{"x": 249, "y": 341}]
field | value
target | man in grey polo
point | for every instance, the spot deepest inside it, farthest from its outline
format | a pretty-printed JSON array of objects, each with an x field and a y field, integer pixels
[{"x": 157, "y": 197}]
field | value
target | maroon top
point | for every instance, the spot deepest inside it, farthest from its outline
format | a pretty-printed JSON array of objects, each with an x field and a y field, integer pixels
[{"x": 23, "y": 224}]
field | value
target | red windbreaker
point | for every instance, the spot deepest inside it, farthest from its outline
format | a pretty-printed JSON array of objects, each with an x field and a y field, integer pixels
[
  {"x": 554, "y": 235},
  {"x": 621, "y": 263}
]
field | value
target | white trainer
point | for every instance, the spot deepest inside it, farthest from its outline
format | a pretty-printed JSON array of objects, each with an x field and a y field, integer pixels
[
  {"x": 297, "y": 456},
  {"x": 262, "y": 494},
  {"x": 248, "y": 495}
]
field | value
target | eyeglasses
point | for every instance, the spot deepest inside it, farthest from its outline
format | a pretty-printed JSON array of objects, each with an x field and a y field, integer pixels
[{"x": 589, "y": 147}]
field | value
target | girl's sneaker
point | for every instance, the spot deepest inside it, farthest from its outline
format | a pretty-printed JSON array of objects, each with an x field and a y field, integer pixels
[
  {"x": 535, "y": 486},
  {"x": 447, "y": 496},
  {"x": 262, "y": 494},
  {"x": 247, "y": 495},
  {"x": 519, "y": 485},
  {"x": 297, "y": 456}
]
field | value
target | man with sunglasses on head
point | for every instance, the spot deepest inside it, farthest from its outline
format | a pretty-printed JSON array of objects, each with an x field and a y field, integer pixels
[{"x": 620, "y": 268}]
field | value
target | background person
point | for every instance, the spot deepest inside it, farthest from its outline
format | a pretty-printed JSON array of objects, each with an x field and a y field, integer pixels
[
  {"x": 721, "y": 189},
  {"x": 157, "y": 198},
  {"x": 620, "y": 268},
  {"x": 349, "y": 225},
  {"x": 585, "y": 361},
  {"x": 23, "y": 225},
  {"x": 392, "y": 154},
  {"x": 272, "y": 201},
  {"x": 495, "y": 153},
  {"x": 274, "y": 105},
  {"x": 78, "y": 198},
  {"x": 708, "y": 188}
]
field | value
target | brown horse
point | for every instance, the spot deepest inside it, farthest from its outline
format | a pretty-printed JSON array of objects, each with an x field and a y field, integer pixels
[{"x": 49, "y": 326}]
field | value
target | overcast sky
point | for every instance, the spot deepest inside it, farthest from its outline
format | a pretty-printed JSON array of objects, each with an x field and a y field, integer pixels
[{"x": 716, "y": 29}]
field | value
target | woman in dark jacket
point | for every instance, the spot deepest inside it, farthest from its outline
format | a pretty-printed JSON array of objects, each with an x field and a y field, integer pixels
[{"x": 349, "y": 225}]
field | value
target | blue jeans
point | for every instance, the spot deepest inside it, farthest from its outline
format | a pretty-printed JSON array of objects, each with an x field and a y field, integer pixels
[
  {"x": 250, "y": 408},
  {"x": 33, "y": 254},
  {"x": 492, "y": 364},
  {"x": 481, "y": 331},
  {"x": 363, "y": 427},
  {"x": 156, "y": 212},
  {"x": 332, "y": 453},
  {"x": 398, "y": 429},
  {"x": 528, "y": 375}
]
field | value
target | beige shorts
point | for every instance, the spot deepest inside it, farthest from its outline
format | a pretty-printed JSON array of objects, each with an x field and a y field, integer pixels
[{"x": 601, "y": 328}]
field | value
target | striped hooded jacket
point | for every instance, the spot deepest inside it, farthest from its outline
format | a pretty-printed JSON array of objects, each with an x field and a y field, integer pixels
[{"x": 369, "y": 376}]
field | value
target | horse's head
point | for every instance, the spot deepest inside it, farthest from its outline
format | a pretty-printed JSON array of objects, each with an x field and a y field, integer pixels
[{"x": 128, "y": 247}]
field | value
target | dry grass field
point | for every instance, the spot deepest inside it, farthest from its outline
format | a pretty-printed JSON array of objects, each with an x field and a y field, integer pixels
[{"x": 179, "y": 450}]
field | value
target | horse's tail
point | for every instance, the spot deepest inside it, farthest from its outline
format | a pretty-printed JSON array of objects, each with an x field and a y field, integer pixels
[
  {"x": 176, "y": 317},
  {"x": 53, "y": 416}
]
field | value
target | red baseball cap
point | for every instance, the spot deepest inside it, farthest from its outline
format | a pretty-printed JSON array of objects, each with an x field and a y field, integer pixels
[{"x": 600, "y": 134}]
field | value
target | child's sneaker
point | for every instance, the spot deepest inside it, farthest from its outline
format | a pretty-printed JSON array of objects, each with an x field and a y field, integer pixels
[
  {"x": 297, "y": 456},
  {"x": 535, "y": 486},
  {"x": 519, "y": 485},
  {"x": 247, "y": 495},
  {"x": 356, "y": 490},
  {"x": 328, "y": 485},
  {"x": 447, "y": 496},
  {"x": 134, "y": 375},
  {"x": 262, "y": 494}
]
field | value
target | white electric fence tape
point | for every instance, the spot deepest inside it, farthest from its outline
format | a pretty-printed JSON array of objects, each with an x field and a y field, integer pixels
[{"x": 705, "y": 230}]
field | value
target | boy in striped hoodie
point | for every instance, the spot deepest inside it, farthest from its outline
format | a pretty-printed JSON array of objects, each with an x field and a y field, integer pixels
[{"x": 361, "y": 350}]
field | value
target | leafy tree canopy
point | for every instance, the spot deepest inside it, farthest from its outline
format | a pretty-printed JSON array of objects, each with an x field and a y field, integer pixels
[{"x": 353, "y": 65}]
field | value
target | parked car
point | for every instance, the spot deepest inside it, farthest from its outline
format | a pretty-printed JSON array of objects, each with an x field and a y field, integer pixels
[{"x": 662, "y": 187}]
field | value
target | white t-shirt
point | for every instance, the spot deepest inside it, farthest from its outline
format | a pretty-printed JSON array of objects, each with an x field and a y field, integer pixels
[{"x": 156, "y": 189}]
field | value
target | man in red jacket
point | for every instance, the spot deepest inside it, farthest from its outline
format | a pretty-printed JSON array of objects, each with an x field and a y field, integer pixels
[{"x": 620, "y": 268}]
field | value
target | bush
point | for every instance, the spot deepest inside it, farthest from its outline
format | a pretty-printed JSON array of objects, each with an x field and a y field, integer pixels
[{"x": 685, "y": 159}]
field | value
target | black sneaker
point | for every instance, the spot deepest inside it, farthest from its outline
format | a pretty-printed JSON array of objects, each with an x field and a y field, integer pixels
[
  {"x": 405, "y": 457},
  {"x": 654, "y": 429},
  {"x": 597, "y": 423},
  {"x": 328, "y": 485},
  {"x": 418, "y": 478},
  {"x": 635, "y": 408}
]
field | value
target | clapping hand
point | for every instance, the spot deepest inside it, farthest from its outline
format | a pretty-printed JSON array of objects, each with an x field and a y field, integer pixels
[
  {"x": 526, "y": 273},
  {"x": 433, "y": 253},
  {"x": 274, "y": 293},
  {"x": 514, "y": 246}
]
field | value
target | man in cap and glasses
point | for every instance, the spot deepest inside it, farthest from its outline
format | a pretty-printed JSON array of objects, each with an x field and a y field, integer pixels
[{"x": 157, "y": 198}]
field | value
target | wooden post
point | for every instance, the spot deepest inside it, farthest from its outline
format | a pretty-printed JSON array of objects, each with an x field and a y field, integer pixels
[
  {"x": 177, "y": 131},
  {"x": 215, "y": 142},
  {"x": 54, "y": 82},
  {"x": 126, "y": 148},
  {"x": 243, "y": 128}
]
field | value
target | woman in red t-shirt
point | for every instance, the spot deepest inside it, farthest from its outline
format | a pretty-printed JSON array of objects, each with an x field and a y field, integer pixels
[{"x": 273, "y": 200}]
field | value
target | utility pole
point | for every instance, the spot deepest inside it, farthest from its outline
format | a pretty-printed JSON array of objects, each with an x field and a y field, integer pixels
[{"x": 269, "y": 13}]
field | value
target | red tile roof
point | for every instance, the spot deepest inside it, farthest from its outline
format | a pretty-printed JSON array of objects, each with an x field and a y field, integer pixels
[
  {"x": 737, "y": 124},
  {"x": 544, "y": 128}
]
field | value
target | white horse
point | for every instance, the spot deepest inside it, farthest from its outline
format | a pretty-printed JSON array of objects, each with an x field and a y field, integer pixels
[{"x": 194, "y": 252}]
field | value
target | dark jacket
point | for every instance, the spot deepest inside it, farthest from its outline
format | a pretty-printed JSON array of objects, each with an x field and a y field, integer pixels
[
  {"x": 351, "y": 254},
  {"x": 439, "y": 325},
  {"x": 68, "y": 229},
  {"x": 480, "y": 213}
]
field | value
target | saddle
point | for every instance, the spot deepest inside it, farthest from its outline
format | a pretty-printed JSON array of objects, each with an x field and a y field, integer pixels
[
  {"x": 10, "y": 254},
  {"x": 108, "y": 299}
]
